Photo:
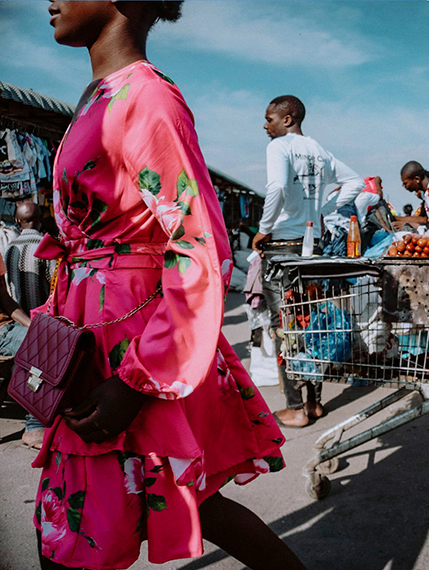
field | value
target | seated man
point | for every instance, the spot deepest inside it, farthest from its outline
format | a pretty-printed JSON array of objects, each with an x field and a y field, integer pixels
[
  {"x": 415, "y": 179},
  {"x": 13, "y": 321},
  {"x": 28, "y": 280}
]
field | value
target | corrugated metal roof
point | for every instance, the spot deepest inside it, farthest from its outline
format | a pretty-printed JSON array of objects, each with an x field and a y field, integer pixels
[
  {"x": 232, "y": 181},
  {"x": 39, "y": 101},
  {"x": 30, "y": 97}
]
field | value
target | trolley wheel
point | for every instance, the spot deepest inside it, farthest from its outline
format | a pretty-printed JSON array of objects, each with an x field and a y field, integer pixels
[
  {"x": 328, "y": 467},
  {"x": 319, "y": 491}
]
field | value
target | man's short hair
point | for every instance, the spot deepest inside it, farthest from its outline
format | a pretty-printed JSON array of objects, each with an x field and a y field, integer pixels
[
  {"x": 289, "y": 105},
  {"x": 412, "y": 169}
]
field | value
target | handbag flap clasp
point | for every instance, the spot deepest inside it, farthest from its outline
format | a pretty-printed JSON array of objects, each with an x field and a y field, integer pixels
[{"x": 34, "y": 380}]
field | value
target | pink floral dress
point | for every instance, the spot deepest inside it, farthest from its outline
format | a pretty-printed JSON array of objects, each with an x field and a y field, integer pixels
[{"x": 135, "y": 206}]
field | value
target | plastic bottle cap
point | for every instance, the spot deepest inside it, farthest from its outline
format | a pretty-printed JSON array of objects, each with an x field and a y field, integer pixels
[
  {"x": 353, "y": 218},
  {"x": 309, "y": 224}
]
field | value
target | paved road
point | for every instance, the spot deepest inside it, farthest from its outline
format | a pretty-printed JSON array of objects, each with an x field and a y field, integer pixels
[{"x": 376, "y": 517}]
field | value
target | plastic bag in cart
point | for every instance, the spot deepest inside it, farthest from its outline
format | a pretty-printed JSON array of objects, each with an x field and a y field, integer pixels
[
  {"x": 305, "y": 365},
  {"x": 333, "y": 342}
]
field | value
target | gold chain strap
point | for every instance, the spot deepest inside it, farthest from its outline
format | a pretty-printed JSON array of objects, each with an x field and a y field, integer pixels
[
  {"x": 143, "y": 304},
  {"x": 118, "y": 320}
]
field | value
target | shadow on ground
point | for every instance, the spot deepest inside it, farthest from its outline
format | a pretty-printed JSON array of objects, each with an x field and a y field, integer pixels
[{"x": 375, "y": 519}]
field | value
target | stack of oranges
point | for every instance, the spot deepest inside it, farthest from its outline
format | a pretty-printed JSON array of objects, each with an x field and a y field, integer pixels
[{"x": 411, "y": 245}]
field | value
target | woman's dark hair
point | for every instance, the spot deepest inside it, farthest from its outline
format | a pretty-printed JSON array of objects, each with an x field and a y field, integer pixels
[{"x": 167, "y": 10}]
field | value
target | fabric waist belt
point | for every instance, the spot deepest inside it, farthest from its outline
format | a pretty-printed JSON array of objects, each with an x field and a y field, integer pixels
[{"x": 96, "y": 251}]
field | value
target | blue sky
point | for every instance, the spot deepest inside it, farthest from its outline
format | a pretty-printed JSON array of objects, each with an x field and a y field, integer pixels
[{"x": 361, "y": 67}]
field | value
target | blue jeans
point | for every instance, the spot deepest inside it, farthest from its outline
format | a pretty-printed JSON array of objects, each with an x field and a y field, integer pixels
[{"x": 11, "y": 337}]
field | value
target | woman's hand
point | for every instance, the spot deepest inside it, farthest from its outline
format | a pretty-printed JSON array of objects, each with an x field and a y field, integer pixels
[{"x": 106, "y": 412}]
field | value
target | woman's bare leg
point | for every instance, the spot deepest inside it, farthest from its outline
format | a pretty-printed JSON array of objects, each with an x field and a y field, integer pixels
[{"x": 243, "y": 535}]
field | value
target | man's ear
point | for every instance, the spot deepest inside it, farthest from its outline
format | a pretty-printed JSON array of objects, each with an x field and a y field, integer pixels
[{"x": 288, "y": 120}]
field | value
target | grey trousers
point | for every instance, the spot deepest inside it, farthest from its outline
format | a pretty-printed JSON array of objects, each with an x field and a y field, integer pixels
[{"x": 272, "y": 295}]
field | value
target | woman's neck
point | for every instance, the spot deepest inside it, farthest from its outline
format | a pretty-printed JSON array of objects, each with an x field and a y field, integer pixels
[{"x": 115, "y": 49}]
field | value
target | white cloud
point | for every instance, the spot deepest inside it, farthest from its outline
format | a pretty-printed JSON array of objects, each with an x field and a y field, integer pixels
[
  {"x": 372, "y": 142},
  {"x": 230, "y": 129},
  {"x": 32, "y": 59},
  {"x": 241, "y": 30}
]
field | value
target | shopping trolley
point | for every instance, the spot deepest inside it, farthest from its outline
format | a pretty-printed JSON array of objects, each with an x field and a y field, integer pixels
[{"x": 363, "y": 322}]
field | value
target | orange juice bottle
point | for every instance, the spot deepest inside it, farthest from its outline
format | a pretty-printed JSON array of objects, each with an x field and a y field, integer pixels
[{"x": 353, "y": 239}]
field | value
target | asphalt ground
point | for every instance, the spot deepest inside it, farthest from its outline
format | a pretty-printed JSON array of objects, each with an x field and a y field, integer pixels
[{"x": 376, "y": 516}]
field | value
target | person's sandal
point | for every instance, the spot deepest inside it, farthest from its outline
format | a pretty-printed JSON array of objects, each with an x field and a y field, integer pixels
[
  {"x": 33, "y": 439},
  {"x": 314, "y": 410}
]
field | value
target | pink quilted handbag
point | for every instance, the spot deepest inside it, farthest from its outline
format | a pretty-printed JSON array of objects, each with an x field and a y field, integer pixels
[{"x": 53, "y": 367}]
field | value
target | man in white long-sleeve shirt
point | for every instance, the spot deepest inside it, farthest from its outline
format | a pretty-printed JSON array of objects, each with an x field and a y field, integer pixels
[{"x": 298, "y": 170}]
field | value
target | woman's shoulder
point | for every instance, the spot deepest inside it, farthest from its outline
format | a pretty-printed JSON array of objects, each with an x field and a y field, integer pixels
[{"x": 158, "y": 92}]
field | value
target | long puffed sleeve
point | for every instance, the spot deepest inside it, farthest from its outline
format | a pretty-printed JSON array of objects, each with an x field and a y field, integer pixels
[{"x": 177, "y": 348}]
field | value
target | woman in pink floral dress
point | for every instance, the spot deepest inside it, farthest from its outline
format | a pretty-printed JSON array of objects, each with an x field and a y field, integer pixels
[{"x": 172, "y": 415}]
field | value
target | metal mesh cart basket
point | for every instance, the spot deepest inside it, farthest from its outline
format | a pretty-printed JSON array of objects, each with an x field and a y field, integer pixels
[{"x": 359, "y": 322}]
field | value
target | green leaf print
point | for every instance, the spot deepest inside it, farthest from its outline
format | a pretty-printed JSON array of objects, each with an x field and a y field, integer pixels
[
  {"x": 202, "y": 241},
  {"x": 120, "y": 96},
  {"x": 277, "y": 441},
  {"x": 97, "y": 208},
  {"x": 182, "y": 183},
  {"x": 228, "y": 479},
  {"x": 59, "y": 493},
  {"x": 58, "y": 459},
  {"x": 123, "y": 456},
  {"x": 275, "y": 463},
  {"x": 192, "y": 189},
  {"x": 91, "y": 541},
  {"x": 74, "y": 518},
  {"x": 117, "y": 353},
  {"x": 149, "y": 481},
  {"x": 94, "y": 244},
  {"x": 141, "y": 522},
  {"x": 85, "y": 199},
  {"x": 156, "y": 502},
  {"x": 66, "y": 202},
  {"x": 79, "y": 205},
  {"x": 64, "y": 176},
  {"x": 159, "y": 468},
  {"x": 122, "y": 248},
  {"x": 247, "y": 393},
  {"x": 165, "y": 77},
  {"x": 184, "y": 263},
  {"x": 39, "y": 513},
  {"x": 45, "y": 483},
  {"x": 75, "y": 186},
  {"x": 171, "y": 259},
  {"x": 150, "y": 180},
  {"x": 184, "y": 244},
  {"x": 185, "y": 208},
  {"x": 102, "y": 298},
  {"x": 76, "y": 500},
  {"x": 263, "y": 414},
  {"x": 90, "y": 165},
  {"x": 178, "y": 233}
]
